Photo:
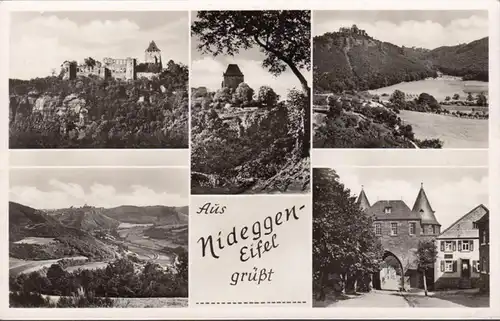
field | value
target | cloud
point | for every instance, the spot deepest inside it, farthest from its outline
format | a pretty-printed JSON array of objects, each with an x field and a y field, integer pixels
[
  {"x": 61, "y": 195},
  {"x": 41, "y": 44},
  {"x": 208, "y": 71},
  {"x": 426, "y": 34},
  {"x": 450, "y": 200}
]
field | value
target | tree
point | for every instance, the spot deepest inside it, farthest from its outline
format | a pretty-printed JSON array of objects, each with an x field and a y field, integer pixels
[
  {"x": 469, "y": 97},
  {"x": 223, "y": 95},
  {"x": 344, "y": 242},
  {"x": 243, "y": 94},
  {"x": 398, "y": 99},
  {"x": 447, "y": 98},
  {"x": 426, "y": 257},
  {"x": 90, "y": 62},
  {"x": 267, "y": 96},
  {"x": 481, "y": 100},
  {"x": 429, "y": 100},
  {"x": 456, "y": 97},
  {"x": 284, "y": 36}
]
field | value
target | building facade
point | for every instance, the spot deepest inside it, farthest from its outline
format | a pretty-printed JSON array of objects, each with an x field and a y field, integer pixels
[
  {"x": 400, "y": 229},
  {"x": 483, "y": 226},
  {"x": 232, "y": 77},
  {"x": 457, "y": 264}
]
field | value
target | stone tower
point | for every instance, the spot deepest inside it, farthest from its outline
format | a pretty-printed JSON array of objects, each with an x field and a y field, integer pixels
[
  {"x": 232, "y": 77},
  {"x": 69, "y": 70},
  {"x": 153, "y": 54},
  {"x": 130, "y": 71},
  {"x": 363, "y": 200},
  {"x": 430, "y": 225}
]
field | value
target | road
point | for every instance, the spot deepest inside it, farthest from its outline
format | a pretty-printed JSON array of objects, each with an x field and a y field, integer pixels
[{"x": 394, "y": 299}]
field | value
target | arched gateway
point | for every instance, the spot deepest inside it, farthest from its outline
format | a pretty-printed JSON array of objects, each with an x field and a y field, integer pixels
[{"x": 400, "y": 229}]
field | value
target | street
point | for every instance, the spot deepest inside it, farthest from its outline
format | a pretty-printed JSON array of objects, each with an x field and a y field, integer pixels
[{"x": 394, "y": 299}]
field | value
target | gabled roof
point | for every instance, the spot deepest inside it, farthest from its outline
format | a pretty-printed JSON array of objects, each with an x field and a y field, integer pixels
[
  {"x": 233, "y": 70},
  {"x": 152, "y": 47},
  {"x": 484, "y": 219},
  {"x": 423, "y": 207},
  {"x": 464, "y": 226},
  {"x": 399, "y": 211},
  {"x": 362, "y": 201}
]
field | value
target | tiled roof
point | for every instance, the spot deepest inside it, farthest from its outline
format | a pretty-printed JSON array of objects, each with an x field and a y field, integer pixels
[
  {"x": 362, "y": 201},
  {"x": 423, "y": 207},
  {"x": 399, "y": 211},
  {"x": 463, "y": 227},
  {"x": 233, "y": 70},
  {"x": 152, "y": 47}
]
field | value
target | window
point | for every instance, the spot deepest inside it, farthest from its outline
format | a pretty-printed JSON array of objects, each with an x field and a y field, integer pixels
[
  {"x": 466, "y": 245},
  {"x": 434, "y": 229},
  {"x": 448, "y": 266},
  {"x": 387, "y": 210},
  {"x": 413, "y": 227},
  {"x": 378, "y": 229},
  {"x": 448, "y": 246},
  {"x": 394, "y": 228}
]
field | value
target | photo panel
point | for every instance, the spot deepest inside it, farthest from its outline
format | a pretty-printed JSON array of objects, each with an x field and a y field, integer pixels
[
  {"x": 98, "y": 79},
  {"x": 398, "y": 237},
  {"x": 98, "y": 237},
  {"x": 250, "y": 102},
  {"x": 400, "y": 79}
]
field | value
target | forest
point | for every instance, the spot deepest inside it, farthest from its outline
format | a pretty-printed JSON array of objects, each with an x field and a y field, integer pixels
[
  {"x": 90, "y": 112},
  {"x": 93, "y": 288},
  {"x": 240, "y": 152}
]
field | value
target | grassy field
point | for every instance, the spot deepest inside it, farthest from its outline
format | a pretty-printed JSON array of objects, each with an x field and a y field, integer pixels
[
  {"x": 455, "y": 132},
  {"x": 439, "y": 87},
  {"x": 464, "y": 108},
  {"x": 141, "y": 302},
  {"x": 36, "y": 240},
  {"x": 88, "y": 266},
  {"x": 17, "y": 266}
]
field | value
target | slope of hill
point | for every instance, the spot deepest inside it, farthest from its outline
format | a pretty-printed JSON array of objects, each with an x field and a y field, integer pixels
[
  {"x": 350, "y": 59},
  {"x": 160, "y": 215},
  {"x": 86, "y": 218},
  {"x": 469, "y": 61},
  {"x": 25, "y": 222}
]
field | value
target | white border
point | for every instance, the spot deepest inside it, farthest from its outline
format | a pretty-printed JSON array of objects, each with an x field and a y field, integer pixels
[{"x": 288, "y": 312}]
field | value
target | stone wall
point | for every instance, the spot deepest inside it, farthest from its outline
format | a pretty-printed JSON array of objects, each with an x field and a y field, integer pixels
[{"x": 232, "y": 81}]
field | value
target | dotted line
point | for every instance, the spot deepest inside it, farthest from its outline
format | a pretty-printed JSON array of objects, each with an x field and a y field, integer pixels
[{"x": 248, "y": 302}]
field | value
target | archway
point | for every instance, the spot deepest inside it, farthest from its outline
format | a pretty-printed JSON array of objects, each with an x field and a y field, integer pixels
[{"x": 391, "y": 275}]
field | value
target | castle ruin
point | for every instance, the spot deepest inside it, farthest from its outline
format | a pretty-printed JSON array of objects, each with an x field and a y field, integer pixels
[{"x": 125, "y": 69}]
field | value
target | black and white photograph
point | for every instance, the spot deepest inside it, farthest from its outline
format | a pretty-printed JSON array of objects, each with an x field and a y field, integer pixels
[
  {"x": 250, "y": 102},
  {"x": 401, "y": 79},
  {"x": 401, "y": 237},
  {"x": 98, "y": 237},
  {"x": 98, "y": 79}
]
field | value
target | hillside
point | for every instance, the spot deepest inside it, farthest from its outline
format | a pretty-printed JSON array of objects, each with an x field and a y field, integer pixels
[
  {"x": 85, "y": 218},
  {"x": 469, "y": 61},
  {"x": 26, "y": 222},
  {"x": 160, "y": 215},
  {"x": 352, "y": 60},
  {"x": 90, "y": 112}
]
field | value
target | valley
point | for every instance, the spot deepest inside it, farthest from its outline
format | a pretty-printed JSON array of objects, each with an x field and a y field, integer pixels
[
  {"x": 63, "y": 237},
  {"x": 374, "y": 94}
]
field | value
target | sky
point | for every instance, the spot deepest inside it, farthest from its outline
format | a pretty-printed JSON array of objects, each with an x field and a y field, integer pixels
[
  {"x": 452, "y": 192},
  {"x": 50, "y": 188},
  {"x": 206, "y": 70},
  {"x": 41, "y": 41},
  {"x": 419, "y": 28}
]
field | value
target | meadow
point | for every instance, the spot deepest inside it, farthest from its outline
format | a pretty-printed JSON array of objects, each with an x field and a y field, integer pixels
[
  {"x": 455, "y": 132},
  {"x": 440, "y": 87}
]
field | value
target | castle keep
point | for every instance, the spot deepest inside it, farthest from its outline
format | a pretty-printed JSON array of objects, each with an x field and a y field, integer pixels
[
  {"x": 126, "y": 69},
  {"x": 232, "y": 77}
]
